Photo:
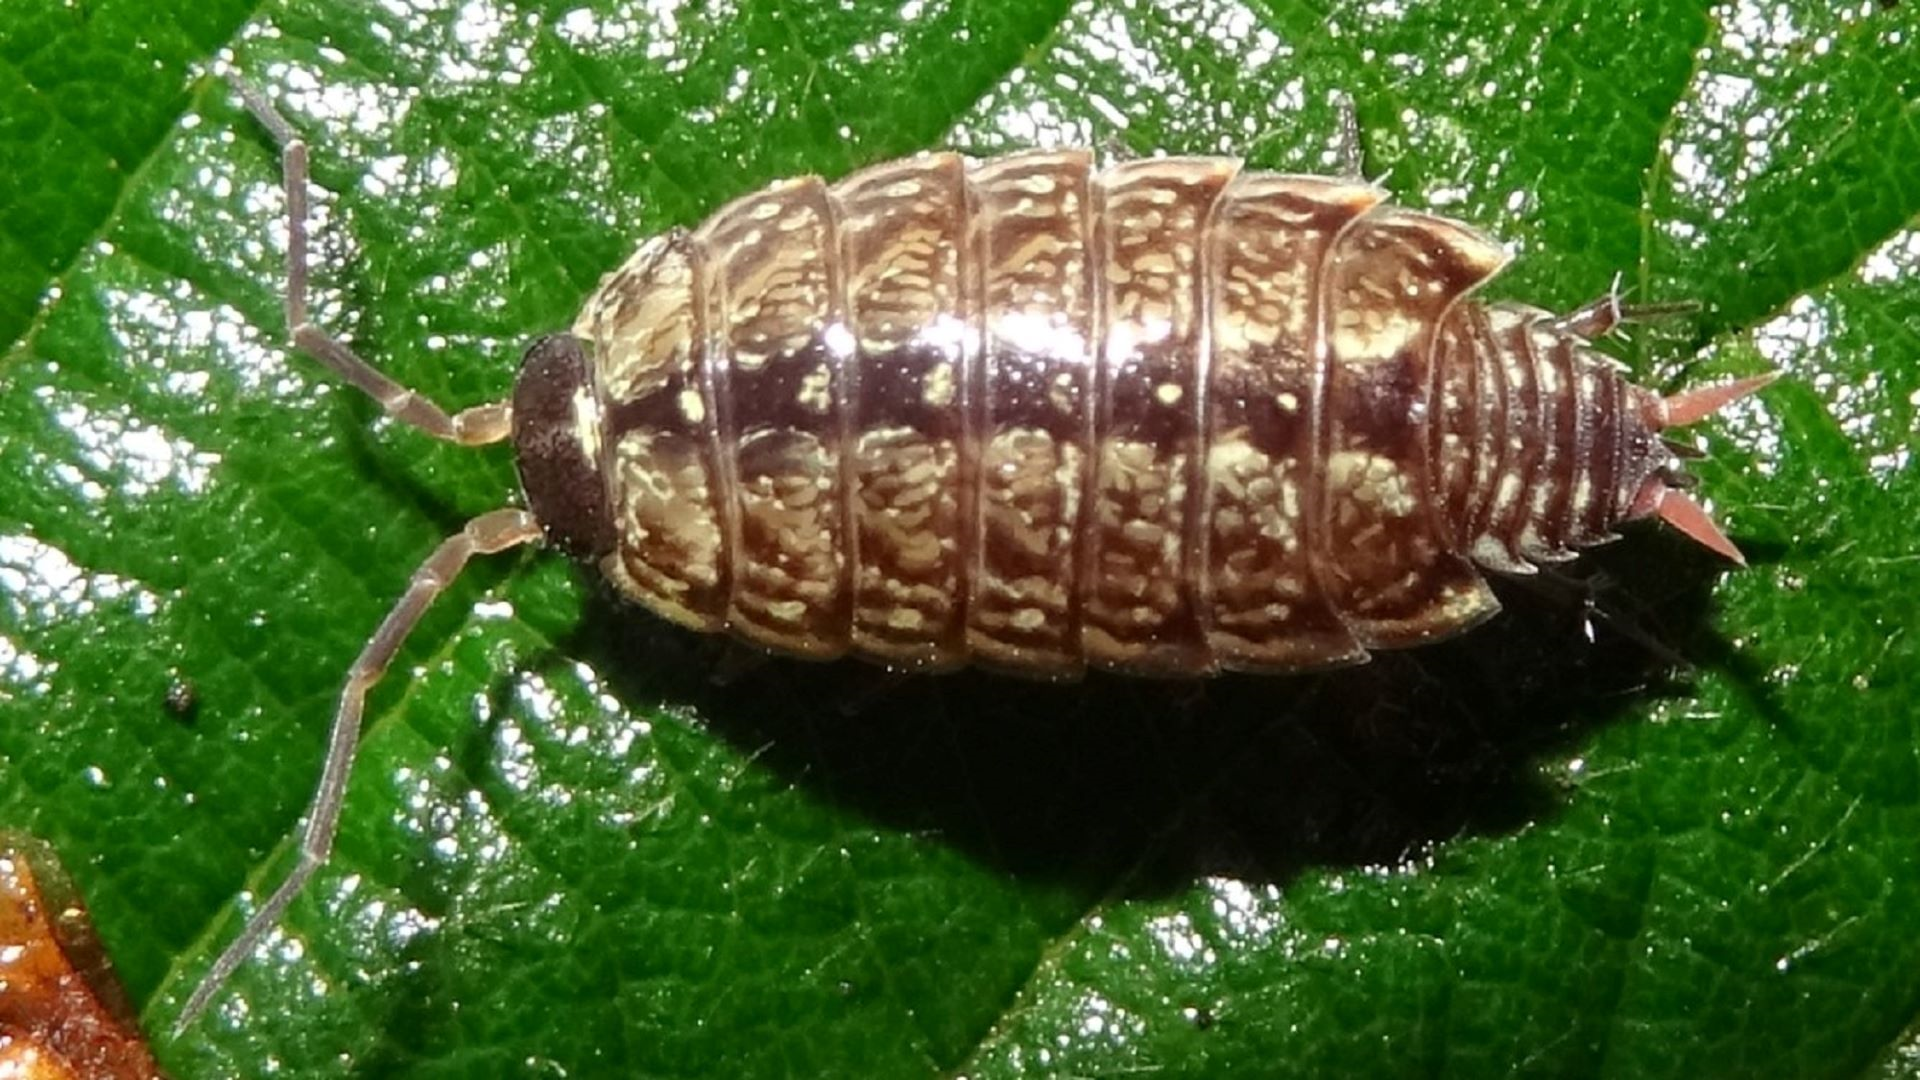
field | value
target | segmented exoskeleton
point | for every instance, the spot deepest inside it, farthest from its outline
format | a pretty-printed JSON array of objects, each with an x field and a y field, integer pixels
[{"x": 1169, "y": 417}]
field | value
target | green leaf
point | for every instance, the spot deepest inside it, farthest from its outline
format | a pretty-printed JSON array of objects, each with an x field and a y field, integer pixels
[{"x": 568, "y": 851}]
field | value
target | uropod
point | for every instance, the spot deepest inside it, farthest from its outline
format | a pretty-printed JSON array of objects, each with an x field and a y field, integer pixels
[{"x": 1170, "y": 417}]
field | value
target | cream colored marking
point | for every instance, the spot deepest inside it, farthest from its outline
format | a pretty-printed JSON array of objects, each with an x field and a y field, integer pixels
[
  {"x": 1036, "y": 248},
  {"x": 1039, "y": 183},
  {"x": 586, "y": 421},
  {"x": 665, "y": 507},
  {"x": 1549, "y": 373},
  {"x": 1028, "y": 618},
  {"x": 936, "y": 386},
  {"x": 1168, "y": 393},
  {"x": 1374, "y": 480},
  {"x": 1369, "y": 333},
  {"x": 1154, "y": 262},
  {"x": 1467, "y": 604},
  {"x": 1509, "y": 491},
  {"x": 1060, "y": 391},
  {"x": 1490, "y": 552},
  {"x": 1287, "y": 400},
  {"x": 816, "y": 392},
  {"x": 693, "y": 407}
]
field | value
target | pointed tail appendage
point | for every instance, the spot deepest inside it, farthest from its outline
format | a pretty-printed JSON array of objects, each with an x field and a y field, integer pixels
[{"x": 1658, "y": 495}]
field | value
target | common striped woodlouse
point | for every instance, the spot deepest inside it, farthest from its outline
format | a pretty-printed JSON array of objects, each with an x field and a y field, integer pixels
[{"x": 1170, "y": 417}]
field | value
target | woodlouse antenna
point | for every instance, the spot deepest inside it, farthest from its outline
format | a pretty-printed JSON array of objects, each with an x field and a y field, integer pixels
[
  {"x": 1602, "y": 315},
  {"x": 477, "y": 426},
  {"x": 487, "y": 534}
]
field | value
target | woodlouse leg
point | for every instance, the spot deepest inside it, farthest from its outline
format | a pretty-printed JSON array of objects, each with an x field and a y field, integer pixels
[
  {"x": 487, "y": 534},
  {"x": 869, "y": 688},
  {"x": 1604, "y": 314},
  {"x": 1588, "y": 592},
  {"x": 1115, "y": 151},
  {"x": 1346, "y": 139},
  {"x": 477, "y": 426},
  {"x": 734, "y": 662}
]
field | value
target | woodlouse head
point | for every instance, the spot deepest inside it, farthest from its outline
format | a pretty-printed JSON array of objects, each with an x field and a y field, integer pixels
[
  {"x": 556, "y": 436},
  {"x": 1662, "y": 493}
]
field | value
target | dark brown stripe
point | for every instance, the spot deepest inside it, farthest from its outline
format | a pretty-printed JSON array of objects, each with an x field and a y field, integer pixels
[
  {"x": 1092, "y": 417},
  {"x": 1582, "y": 457},
  {"x": 1197, "y": 527},
  {"x": 1315, "y": 529},
  {"x": 715, "y": 367},
  {"x": 1606, "y": 457},
  {"x": 973, "y": 403},
  {"x": 1495, "y": 435},
  {"x": 1567, "y": 453},
  {"x": 1523, "y": 418}
]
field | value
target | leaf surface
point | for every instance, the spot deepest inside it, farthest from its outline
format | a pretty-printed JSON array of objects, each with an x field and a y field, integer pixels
[{"x": 569, "y": 851}]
